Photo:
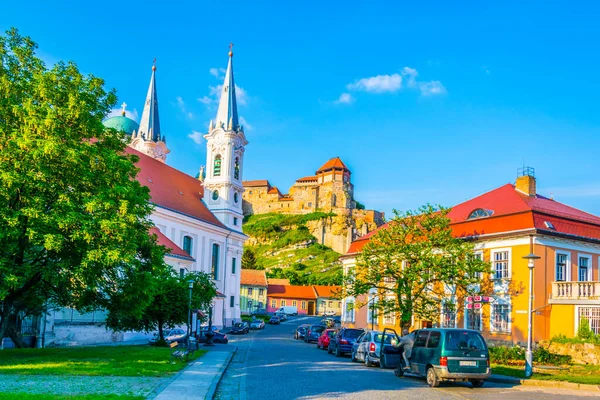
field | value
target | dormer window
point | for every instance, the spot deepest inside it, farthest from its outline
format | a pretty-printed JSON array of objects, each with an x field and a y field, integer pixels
[{"x": 480, "y": 213}]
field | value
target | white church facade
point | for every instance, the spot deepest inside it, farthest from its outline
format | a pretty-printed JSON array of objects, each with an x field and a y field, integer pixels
[{"x": 198, "y": 219}]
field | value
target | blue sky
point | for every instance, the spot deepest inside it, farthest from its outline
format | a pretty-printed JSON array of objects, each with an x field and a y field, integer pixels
[{"x": 424, "y": 101}]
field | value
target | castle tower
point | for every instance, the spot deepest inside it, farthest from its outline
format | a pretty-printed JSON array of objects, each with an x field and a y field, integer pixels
[
  {"x": 225, "y": 157},
  {"x": 147, "y": 139}
]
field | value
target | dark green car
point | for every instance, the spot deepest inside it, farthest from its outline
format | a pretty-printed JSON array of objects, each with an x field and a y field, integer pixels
[{"x": 457, "y": 355}]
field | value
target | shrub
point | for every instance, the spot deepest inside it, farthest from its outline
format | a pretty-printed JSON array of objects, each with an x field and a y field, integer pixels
[
  {"x": 506, "y": 355},
  {"x": 584, "y": 332},
  {"x": 543, "y": 356}
]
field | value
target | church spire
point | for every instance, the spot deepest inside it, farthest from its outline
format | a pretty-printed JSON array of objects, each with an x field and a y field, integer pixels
[
  {"x": 227, "y": 114},
  {"x": 150, "y": 123}
]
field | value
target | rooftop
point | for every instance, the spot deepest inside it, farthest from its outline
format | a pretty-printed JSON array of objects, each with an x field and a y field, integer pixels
[
  {"x": 291, "y": 291},
  {"x": 333, "y": 163},
  {"x": 253, "y": 277}
]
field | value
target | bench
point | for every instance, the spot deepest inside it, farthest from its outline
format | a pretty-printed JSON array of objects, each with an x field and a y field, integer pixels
[{"x": 181, "y": 352}]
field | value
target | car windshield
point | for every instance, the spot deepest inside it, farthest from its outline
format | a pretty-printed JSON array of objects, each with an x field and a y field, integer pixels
[
  {"x": 317, "y": 328},
  {"x": 386, "y": 340},
  {"x": 237, "y": 325},
  {"x": 464, "y": 340},
  {"x": 352, "y": 333},
  {"x": 302, "y": 329}
]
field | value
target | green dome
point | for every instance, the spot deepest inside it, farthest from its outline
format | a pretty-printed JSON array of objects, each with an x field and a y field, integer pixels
[{"x": 122, "y": 123}]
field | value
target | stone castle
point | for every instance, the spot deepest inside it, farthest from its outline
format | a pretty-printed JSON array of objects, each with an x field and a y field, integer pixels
[{"x": 329, "y": 190}]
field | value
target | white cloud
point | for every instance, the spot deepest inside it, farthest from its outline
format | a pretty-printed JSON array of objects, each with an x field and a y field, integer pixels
[
  {"x": 196, "y": 137},
  {"x": 218, "y": 73},
  {"x": 245, "y": 123},
  {"x": 182, "y": 107},
  {"x": 215, "y": 91},
  {"x": 129, "y": 114},
  {"x": 345, "y": 98},
  {"x": 431, "y": 88},
  {"x": 205, "y": 100},
  {"x": 377, "y": 84},
  {"x": 411, "y": 75}
]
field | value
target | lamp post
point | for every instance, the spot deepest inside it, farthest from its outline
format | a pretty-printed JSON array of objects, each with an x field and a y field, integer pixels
[
  {"x": 189, "y": 333},
  {"x": 529, "y": 353},
  {"x": 372, "y": 301},
  {"x": 209, "y": 334}
]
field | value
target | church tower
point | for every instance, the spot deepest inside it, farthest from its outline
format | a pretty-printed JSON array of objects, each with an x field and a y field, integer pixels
[
  {"x": 147, "y": 139},
  {"x": 225, "y": 157}
]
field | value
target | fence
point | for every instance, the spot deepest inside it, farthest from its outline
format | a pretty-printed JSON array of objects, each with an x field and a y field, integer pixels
[{"x": 592, "y": 314}]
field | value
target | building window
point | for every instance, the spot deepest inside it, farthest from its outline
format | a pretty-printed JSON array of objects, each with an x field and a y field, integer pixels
[
  {"x": 217, "y": 166},
  {"x": 249, "y": 291},
  {"x": 500, "y": 319},
  {"x": 215, "y": 195},
  {"x": 473, "y": 318},
  {"x": 333, "y": 200},
  {"x": 480, "y": 213},
  {"x": 592, "y": 315},
  {"x": 233, "y": 266},
  {"x": 250, "y": 192},
  {"x": 273, "y": 303},
  {"x": 294, "y": 303},
  {"x": 187, "y": 244},
  {"x": 349, "y": 312},
  {"x": 231, "y": 301},
  {"x": 215, "y": 261},
  {"x": 235, "y": 221},
  {"x": 584, "y": 269},
  {"x": 181, "y": 272},
  {"x": 501, "y": 265},
  {"x": 448, "y": 317},
  {"x": 236, "y": 169},
  {"x": 562, "y": 261},
  {"x": 330, "y": 304},
  {"x": 261, "y": 292},
  {"x": 309, "y": 204},
  {"x": 389, "y": 319},
  {"x": 282, "y": 303},
  {"x": 303, "y": 305},
  {"x": 236, "y": 197}
]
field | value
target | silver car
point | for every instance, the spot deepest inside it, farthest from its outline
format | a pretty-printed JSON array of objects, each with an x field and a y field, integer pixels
[
  {"x": 367, "y": 347},
  {"x": 257, "y": 324}
]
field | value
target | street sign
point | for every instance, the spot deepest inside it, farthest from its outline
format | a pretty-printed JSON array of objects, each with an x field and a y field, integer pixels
[
  {"x": 469, "y": 306},
  {"x": 477, "y": 299},
  {"x": 477, "y": 305},
  {"x": 470, "y": 299}
]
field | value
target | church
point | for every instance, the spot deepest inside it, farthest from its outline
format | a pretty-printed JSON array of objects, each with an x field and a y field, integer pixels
[{"x": 198, "y": 219}]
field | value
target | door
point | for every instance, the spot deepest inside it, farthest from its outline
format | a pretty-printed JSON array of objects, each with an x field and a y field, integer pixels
[
  {"x": 416, "y": 358},
  {"x": 311, "y": 308},
  {"x": 362, "y": 345},
  {"x": 431, "y": 351}
]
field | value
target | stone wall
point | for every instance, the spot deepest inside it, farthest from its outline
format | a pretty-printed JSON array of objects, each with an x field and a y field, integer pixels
[{"x": 584, "y": 353}]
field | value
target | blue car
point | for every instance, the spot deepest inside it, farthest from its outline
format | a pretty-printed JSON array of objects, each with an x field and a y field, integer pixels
[
  {"x": 342, "y": 343},
  {"x": 313, "y": 333}
]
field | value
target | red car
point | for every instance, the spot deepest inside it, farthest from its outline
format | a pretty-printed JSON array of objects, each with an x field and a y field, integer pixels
[{"x": 323, "y": 341}]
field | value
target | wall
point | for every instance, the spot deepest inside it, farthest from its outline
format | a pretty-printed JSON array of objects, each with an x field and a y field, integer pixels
[
  {"x": 255, "y": 297},
  {"x": 289, "y": 302}
]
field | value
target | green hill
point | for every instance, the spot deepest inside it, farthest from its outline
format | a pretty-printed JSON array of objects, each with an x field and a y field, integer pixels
[{"x": 285, "y": 248}]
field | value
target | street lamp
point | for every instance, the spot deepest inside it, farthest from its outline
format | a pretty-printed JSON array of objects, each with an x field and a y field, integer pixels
[
  {"x": 372, "y": 301},
  {"x": 209, "y": 334},
  {"x": 191, "y": 286},
  {"x": 529, "y": 354}
]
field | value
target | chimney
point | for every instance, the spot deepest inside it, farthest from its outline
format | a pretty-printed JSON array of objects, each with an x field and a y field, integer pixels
[{"x": 526, "y": 181}]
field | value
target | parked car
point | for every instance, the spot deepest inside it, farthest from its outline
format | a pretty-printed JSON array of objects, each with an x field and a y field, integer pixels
[
  {"x": 218, "y": 337},
  {"x": 257, "y": 324},
  {"x": 328, "y": 322},
  {"x": 342, "y": 342},
  {"x": 313, "y": 333},
  {"x": 282, "y": 316},
  {"x": 329, "y": 312},
  {"x": 288, "y": 310},
  {"x": 449, "y": 354},
  {"x": 301, "y": 331},
  {"x": 240, "y": 328},
  {"x": 274, "y": 320},
  {"x": 368, "y": 346},
  {"x": 323, "y": 341},
  {"x": 174, "y": 335}
]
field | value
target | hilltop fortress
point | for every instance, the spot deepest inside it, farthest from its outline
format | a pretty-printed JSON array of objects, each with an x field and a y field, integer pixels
[{"x": 329, "y": 190}]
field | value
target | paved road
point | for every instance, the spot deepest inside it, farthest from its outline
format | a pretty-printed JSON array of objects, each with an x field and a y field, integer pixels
[{"x": 271, "y": 364}]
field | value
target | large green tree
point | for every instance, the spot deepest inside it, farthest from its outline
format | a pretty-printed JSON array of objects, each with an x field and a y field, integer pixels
[
  {"x": 414, "y": 265},
  {"x": 249, "y": 259},
  {"x": 73, "y": 219},
  {"x": 170, "y": 295}
]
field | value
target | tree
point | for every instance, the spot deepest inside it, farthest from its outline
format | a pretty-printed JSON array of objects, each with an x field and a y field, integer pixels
[
  {"x": 169, "y": 304},
  {"x": 414, "y": 264},
  {"x": 73, "y": 219},
  {"x": 249, "y": 259}
]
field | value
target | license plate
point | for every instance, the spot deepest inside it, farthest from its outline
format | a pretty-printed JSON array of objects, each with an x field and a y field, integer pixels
[{"x": 468, "y": 363}]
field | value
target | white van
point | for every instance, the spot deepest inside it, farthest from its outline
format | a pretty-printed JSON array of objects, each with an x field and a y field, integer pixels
[{"x": 288, "y": 310}]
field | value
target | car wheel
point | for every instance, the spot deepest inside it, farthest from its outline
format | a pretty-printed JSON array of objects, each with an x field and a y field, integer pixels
[
  {"x": 477, "y": 383},
  {"x": 296, "y": 336},
  {"x": 368, "y": 362},
  {"x": 432, "y": 378},
  {"x": 338, "y": 353},
  {"x": 352, "y": 356},
  {"x": 399, "y": 372},
  {"x": 382, "y": 362}
]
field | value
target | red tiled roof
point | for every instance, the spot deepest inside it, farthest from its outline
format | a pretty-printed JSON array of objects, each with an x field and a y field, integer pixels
[
  {"x": 286, "y": 198},
  {"x": 278, "y": 281},
  {"x": 260, "y": 182},
  {"x": 291, "y": 291},
  {"x": 307, "y": 179},
  {"x": 513, "y": 211},
  {"x": 173, "y": 189},
  {"x": 274, "y": 190},
  {"x": 253, "y": 277},
  {"x": 327, "y": 291},
  {"x": 174, "y": 250},
  {"x": 335, "y": 162}
]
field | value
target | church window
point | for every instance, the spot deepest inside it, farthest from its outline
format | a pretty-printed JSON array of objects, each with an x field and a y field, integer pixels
[
  {"x": 236, "y": 197},
  {"x": 480, "y": 213},
  {"x": 236, "y": 168},
  {"x": 215, "y": 261},
  {"x": 217, "y": 166},
  {"x": 187, "y": 244},
  {"x": 215, "y": 195}
]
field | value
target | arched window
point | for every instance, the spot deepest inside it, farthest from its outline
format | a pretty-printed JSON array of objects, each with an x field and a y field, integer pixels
[
  {"x": 480, "y": 213},
  {"x": 215, "y": 261},
  {"x": 187, "y": 244},
  {"x": 236, "y": 168},
  {"x": 217, "y": 166}
]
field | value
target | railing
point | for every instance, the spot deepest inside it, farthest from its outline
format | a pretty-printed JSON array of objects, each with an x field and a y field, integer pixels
[{"x": 575, "y": 290}]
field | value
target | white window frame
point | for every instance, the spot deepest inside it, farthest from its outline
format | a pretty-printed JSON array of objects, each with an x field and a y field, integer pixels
[
  {"x": 294, "y": 303},
  {"x": 577, "y": 317},
  {"x": 442, "y": 314},
  {"x": 508, "y": 265},
  {"x": 466, "y": 324},
  {"x": 389, "y": 318},
  {"x": 283, "y": 302},
  {"x": 493, "y": 317},
  {"x": 589, "y": 267},
  {"x": 567, "y": 266},
  {"x": 273, "y": 303}
]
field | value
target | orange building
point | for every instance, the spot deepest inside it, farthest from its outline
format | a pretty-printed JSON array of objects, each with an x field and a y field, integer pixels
[{"x": 508, "y": 223}]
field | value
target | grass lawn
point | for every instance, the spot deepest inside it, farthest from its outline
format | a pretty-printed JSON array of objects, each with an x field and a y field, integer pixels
[
  {"x": 25, "y": 396},
  {"x": 587, "y": 374},
  {"x": 96, "y": 361}
]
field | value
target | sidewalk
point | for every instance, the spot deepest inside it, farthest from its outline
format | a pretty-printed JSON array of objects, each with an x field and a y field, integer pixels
[
  {"x": 511, "y": 380},
  {"x": 199, "y": 380}
]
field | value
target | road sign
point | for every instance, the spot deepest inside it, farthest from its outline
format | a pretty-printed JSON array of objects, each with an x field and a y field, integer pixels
[{"x": 477, "y": 305}]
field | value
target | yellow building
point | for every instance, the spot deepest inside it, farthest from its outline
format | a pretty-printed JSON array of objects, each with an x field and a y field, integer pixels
[{"x": 509, "y": 223}]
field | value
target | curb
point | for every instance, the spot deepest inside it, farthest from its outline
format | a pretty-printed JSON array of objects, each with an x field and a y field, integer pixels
[
  {"x": 540, "y": 383},
  {"x": 210, "y": 394}
]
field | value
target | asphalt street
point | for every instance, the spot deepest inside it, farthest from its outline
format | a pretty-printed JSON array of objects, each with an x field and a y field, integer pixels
[{"x": 271, "y": 364}]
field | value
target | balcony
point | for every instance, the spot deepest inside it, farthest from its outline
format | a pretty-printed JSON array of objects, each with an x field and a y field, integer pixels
[{"x": 575, "y": 293}]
